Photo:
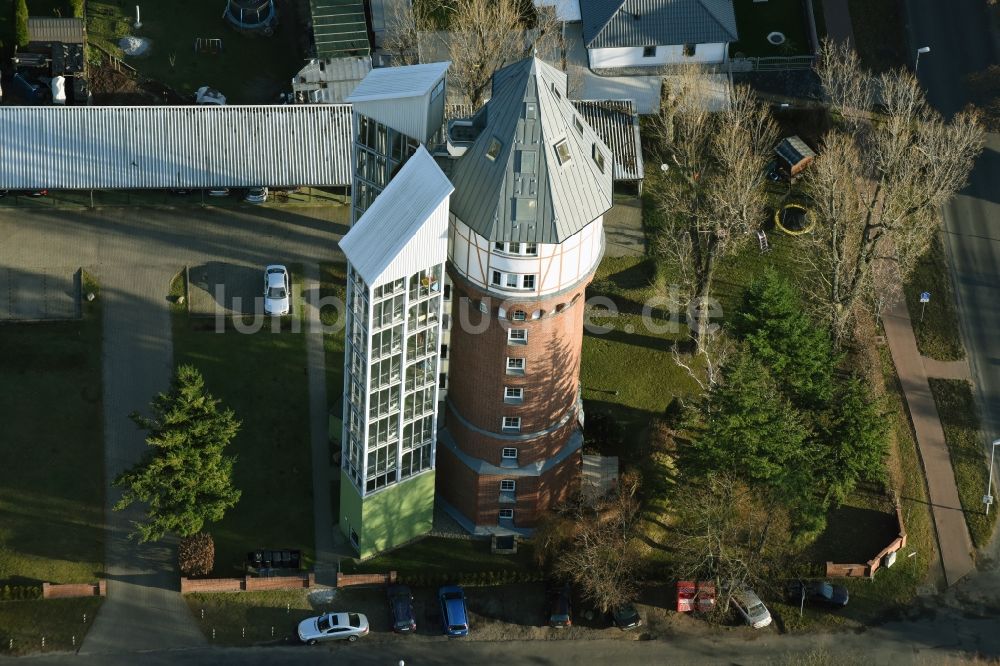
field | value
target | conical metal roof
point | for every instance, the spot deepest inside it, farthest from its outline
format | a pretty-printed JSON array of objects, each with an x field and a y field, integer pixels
[{"x": 537, "y": 172}]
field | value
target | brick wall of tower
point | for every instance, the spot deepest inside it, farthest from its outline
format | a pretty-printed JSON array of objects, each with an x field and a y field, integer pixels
[
  {"x": 478, "y": 376},
  {"x": 552, "y": 359},
  {"x": 478, "y": 497}
]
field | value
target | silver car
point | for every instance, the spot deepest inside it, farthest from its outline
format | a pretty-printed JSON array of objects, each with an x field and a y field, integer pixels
[
  {"x": 333, "y": 627},
  {"x": 751, "y": 608},
  {"x": 277, "y": 296},
  {"x": 256, "y": 195}
]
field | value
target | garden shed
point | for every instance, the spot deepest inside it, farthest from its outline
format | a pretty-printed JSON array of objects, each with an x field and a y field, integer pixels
[{"x": 794, "y": 154}]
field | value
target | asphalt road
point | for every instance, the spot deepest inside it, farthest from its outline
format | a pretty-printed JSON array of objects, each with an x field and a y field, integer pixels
[{"x": 959, "y": 35}]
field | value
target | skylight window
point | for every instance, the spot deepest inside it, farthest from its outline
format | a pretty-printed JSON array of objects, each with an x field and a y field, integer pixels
[
  {"x": 578, "y": 125},
  {"x": 562, "y": 152},
  {"x": 598, "y": 158},
  {"x": 494, "y": 149}
]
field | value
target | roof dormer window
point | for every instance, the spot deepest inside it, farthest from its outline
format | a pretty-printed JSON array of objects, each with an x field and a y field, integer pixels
[
  {"x": 555, "y": 91},
  {"x": 562, "y": 152},
  {"x": 598, "y": 157},
  {"x": 494, "y": 149}
]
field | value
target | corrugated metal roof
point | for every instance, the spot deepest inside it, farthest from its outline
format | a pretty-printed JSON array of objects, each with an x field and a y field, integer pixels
[
  {"x": 65, "y": 30},
  {"x": 137, "y": 147},
  {"x": 617, "y": 123},
  {"x": 525, "y": 193},
  {"x": 625, "y": 23},
  {"x": 339, "y": 28},
  {"x": 400, "y": 233},
  {"x": 329, "y": 81},
  {"x": 395, "y": 82}
]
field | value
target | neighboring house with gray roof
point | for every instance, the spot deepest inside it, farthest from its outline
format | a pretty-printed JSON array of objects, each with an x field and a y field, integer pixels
[{"x": 637, "y": 33}]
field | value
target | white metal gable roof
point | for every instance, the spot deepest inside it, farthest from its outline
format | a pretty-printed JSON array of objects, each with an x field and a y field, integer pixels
[
  {"x": 136, "y": 147},
  {"x": 395, "y": 82},
  {"x": 406, "y": 228}
]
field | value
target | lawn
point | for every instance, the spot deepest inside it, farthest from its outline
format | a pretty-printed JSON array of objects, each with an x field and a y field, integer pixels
[
  {"x": 433, "y": 556},
  {"x": 59, "y": 621},
  {"x": 960, "y": 419},
  {"x": 52, "y": 477},
  {"x": 249, "y": 70},
  {"x": 879, "y": 33},
  {"x": 248, "y": 617},
  {"x": 262, "y": 377},
  {"x": 52, "y": 480},
  {"x": 754, "y": 21},
  {"x": 937, "y": 332},
  {"x": 627, "y": 370}
]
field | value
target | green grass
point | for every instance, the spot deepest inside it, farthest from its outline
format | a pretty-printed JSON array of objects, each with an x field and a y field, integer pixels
[
  {"x": 59, "y": 621},
  {"x": 441, "y": 555},
  {"x": 52, "y": 476},
  {"x": 246, "y": 618},
  {"x": 879, "y": 34},
  {"x": 755, "y": 20},
  {"x": 250, "y": 70},
  {"x": 262, "y": 377},
  {"x": 960, "y": 419},
  {"x": 628, "y": 371},
  {"x": 937, "y": 335}
]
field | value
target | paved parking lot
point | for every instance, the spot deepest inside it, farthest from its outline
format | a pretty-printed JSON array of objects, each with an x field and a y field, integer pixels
[{"x": 27, "y": 295}]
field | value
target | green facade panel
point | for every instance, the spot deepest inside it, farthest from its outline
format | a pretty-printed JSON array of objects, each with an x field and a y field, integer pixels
[{"x": 390, "y": 517}]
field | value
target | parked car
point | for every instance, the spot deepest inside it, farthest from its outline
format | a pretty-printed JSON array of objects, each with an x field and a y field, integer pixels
[
  {"x": 454, "y": 617},
  {"x": 24, "y": 193},
  {"x": 818, "y": 592},
  {"x": 561, "y": 607},
  {"x": 333, "y": 627},
  {"x": 626, "y": 617},
  {"x": 753, "y": 610},
  {"x": 256, "y": 195},
  {"x": 209, "y": 96},
  {"x": 219, "y": 192},
  {"x": 402, "y": 619},
  {"x": 181, "y": 191},
  {"x": 277, "y": 300}
]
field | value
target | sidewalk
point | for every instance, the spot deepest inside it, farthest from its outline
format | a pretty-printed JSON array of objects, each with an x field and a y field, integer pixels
[{"x": 954, "y": 543}]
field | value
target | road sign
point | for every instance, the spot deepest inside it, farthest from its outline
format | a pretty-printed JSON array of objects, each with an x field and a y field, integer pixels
[
  {"x": 925, "y": 297},
  {"x": 987, "y": 499}
]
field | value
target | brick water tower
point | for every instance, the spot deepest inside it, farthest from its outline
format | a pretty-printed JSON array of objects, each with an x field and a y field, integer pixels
[{"x": 532, "y": 183}]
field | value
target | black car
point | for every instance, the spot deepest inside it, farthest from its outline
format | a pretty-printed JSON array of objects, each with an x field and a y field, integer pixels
[
  {"x": 818, "y": 592},
  {"x": 626, "y": 617},
  {"x": 560, "y": 607},
  {"x": 401, "y": 615}
]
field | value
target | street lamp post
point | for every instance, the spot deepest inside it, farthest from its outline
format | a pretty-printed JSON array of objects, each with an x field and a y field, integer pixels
[
  {"x": 988, "y": 497},
  {"x": 916, "y": 64}
]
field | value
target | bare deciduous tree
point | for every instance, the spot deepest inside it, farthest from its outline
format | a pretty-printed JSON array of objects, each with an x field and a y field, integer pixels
[
  {"x": 712, "y": 197},
  {"x": 592, "y": 545},
  {"x": 402, "y": 36},
  {"x": 728, "y": 533},
  {"x": 879, "y": 183},
  {"x": 488, "y": 34}
]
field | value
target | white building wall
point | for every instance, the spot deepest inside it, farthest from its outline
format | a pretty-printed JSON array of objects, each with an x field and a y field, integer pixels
[
  {"x": 556, "y": 266},
  {"x": 665, "y": 55}
]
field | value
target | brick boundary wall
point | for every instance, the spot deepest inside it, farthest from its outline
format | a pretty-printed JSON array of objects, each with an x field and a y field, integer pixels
[
  {"x": 868, "y": 569},
  {"x": 70, "y": 590},
  {"x": 349, "y": 580},
  {"x": 247, "y": 583}
]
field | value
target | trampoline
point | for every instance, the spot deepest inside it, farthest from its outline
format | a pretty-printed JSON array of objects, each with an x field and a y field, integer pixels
[{"x": 252, "y": 15}]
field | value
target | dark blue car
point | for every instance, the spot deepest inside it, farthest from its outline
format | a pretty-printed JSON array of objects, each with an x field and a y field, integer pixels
[
  {"x": 454, "y": 618},
  {"x": 401, "y": 614}
]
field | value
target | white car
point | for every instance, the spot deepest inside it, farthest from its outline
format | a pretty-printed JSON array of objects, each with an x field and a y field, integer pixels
[
  {"x": 209, "y": 96},
  {"x": 333, "y": 627},
  {"x": 256, "y": 195},
  {"x": 751, "y": 608},
  {"x": 277, "y": 291}
]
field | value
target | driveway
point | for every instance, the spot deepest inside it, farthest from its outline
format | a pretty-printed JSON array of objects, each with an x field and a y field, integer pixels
[{"x": 32, "y": 295}]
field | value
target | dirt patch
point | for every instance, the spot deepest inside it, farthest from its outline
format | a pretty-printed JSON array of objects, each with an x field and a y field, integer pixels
[{"x": 121, "y": 88}]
